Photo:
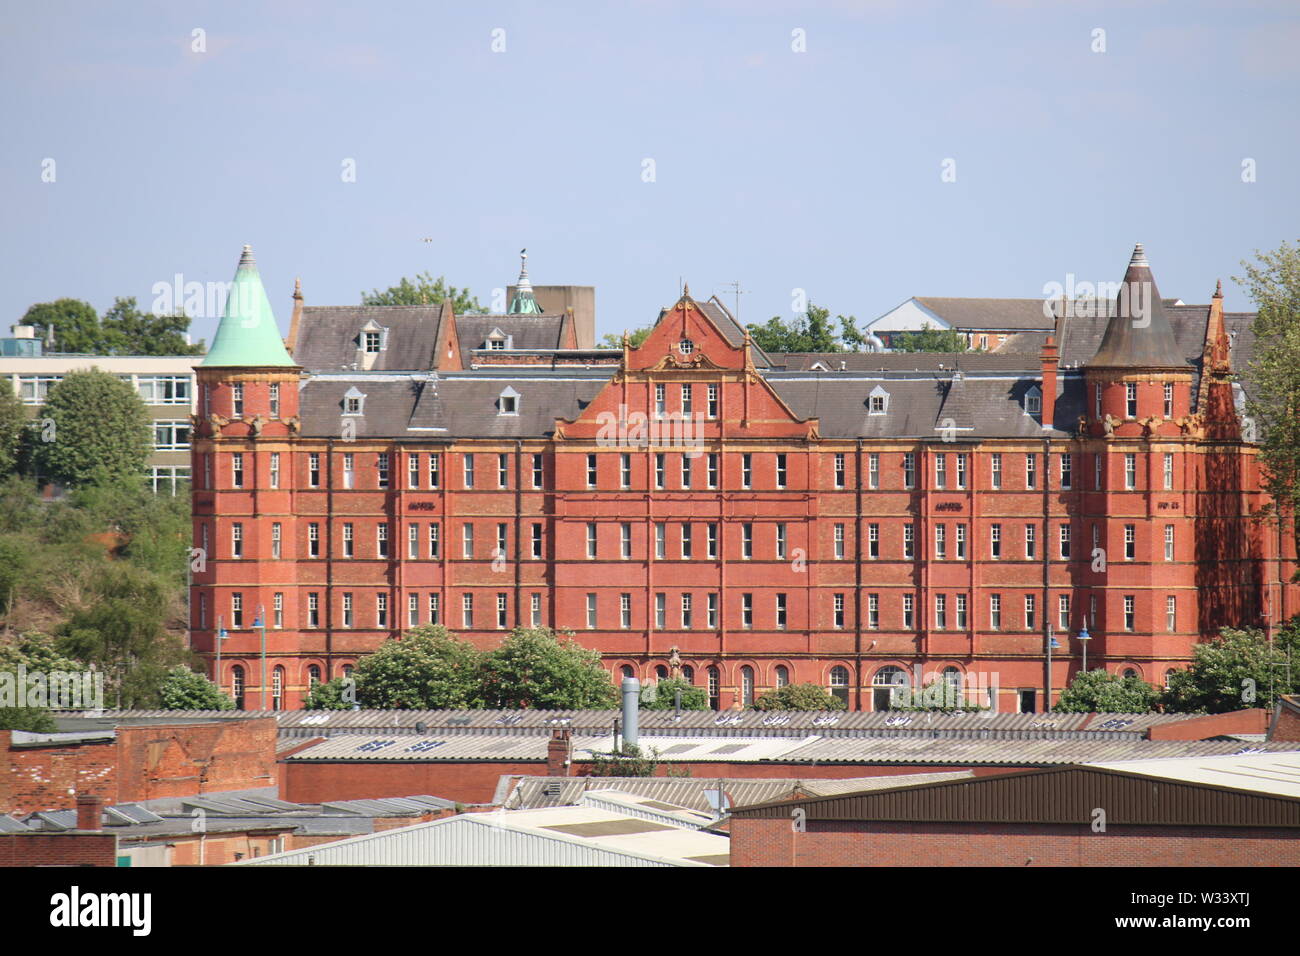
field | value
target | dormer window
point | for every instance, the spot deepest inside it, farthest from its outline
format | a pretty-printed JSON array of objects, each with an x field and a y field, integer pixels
[
  {"x": 353, "y": 400},
  {"x": 508, "y": 402},
  {"x": 371, "y": 340},
  {"x": 497, "y": 345},
  {"x": 878, "y": 401},
  {"x": 498, "y": 341},
  {"x": 1033, "y": 401}
]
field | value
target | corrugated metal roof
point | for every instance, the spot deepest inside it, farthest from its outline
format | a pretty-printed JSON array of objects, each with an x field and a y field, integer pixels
[
  {"x": 1277, "y": 773},
  {"x": 9, "y": 825}
]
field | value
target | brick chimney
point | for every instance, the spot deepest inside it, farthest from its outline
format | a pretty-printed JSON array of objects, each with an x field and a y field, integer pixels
[
  {"x": 559, "y": 753},
  {"x": 1051, "y": 358},
  {"x": 89, "y": 810}
]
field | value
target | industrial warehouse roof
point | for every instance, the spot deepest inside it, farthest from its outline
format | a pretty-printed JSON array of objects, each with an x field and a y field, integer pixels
[
  {"x": 1059, "y": 795},
  {"x": 557, "y": 836},
  {"x": 1277, "y": 773}
]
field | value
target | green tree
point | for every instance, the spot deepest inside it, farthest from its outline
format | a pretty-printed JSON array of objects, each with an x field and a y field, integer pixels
[
  {"x": 534, "y": 667},
  {"x": 36, "y": 720},
  {"x": 133, "y": 332},
  {"x": 94, "y": 429},
  {"x": 182, "y": 689},
  {"x": 327, "y": 696},
  {"x": 1273, "y": 403},
  {"x": 75, "y": 323},
  {"x": 798, "y": 697},
  {"x": 36, "y": 652},
  {"x": 814, "y": 331},
  {"x": 614, "y": 340},
  {"x": 663, "y": 695},
  {"x": 930, "y": 339},
  {"x": 15, "y": 566},
  {"x": 1239, "y": 668},
  {"x": 1100, "y": 692},
  {"x": 626, "y": 761},
  {"x": 13, "y": 423},
  {"x": 425, "y": 290},
  {"x": 428, "y": 668}
]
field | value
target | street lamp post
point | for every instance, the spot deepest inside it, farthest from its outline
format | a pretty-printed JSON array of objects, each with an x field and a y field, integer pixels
[
  {"x": 1051, "y": 643},
  {"x": 1084, "y": 638}
]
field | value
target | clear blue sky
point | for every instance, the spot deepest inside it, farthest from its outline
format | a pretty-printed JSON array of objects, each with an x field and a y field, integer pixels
[{"x": 818, "y": 170}]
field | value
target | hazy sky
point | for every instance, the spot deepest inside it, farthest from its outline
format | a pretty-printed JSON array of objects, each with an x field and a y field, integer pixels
[{"x": 820, "y": 170}]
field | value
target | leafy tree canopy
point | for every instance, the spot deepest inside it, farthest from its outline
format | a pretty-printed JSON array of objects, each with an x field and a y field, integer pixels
[
  {"x": 1098, "y": 691},
  {"x": 124, "y": 329},
  {"x": 13, "y": 425},
  {"x": 614, "y": 340},
  {"x": 425, "y": 290},
  {"x": 1239, "y": 668},
  {"x": 427, "y": 669},
  {"x": 36, "y": 720},
  {"x": 328, "y": 696},
  {"x": 930, "y": 339},
  {"x": 812, "y": 332},
  {"x": 94, "y": 429},
  {"x": 663, "y": 695},
  {"x": 535, "y": 667},
  {"x": 798, "y": 697},
  {"x": 182, "y": 689}
]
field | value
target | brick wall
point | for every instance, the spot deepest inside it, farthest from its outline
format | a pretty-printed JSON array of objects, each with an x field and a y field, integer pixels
[
  {"x": 1253, "y": 721},
  {"x": 58, "y": 849},
  {"x": 759, "y": 842},
  {"x": 1287, "y": 726}
]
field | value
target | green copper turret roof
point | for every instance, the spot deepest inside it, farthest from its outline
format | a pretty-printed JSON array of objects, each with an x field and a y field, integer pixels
[
  {"x": 248, "y": 335},
  {"x": 524, "y": 302}
]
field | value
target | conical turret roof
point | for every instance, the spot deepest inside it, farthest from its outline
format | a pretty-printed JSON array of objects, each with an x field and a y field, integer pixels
[
  {"x": 248, "y": 335},
  {"x": 524, "y": 302},
  {"x": 1139, "y": 335}
]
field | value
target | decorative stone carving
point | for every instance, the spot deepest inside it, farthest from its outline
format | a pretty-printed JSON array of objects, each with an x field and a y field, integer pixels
[
  {"x": 1108, "y": 425},
  {"x": 674, "y": 662}
]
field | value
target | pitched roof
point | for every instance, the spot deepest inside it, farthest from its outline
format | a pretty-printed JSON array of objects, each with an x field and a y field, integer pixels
[
  {"x": 329, "y": 337},
  {"x": 1139, "y": 334},
  {"x": 996, "y": 314},
  {"x": 247, "y": 335}
]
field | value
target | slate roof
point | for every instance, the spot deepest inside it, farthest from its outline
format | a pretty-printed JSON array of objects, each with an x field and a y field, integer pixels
[
  {"x": 1139, "y": 334},
  {"x": 327, "y": 336},
  {"x": 977, "y": 314},
  {"x": 524, "y": 331}
]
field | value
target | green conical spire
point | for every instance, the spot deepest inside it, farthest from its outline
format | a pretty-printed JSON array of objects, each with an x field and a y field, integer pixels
[{"x": 247, "y": 335}]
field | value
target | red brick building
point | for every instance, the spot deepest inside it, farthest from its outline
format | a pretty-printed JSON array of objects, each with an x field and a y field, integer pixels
[{"x": 694, "y": 500}]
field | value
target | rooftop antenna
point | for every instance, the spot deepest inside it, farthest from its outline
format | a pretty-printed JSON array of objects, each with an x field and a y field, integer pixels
[{"x": 737, "y": 291}]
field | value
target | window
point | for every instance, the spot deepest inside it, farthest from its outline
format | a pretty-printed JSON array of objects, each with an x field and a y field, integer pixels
[
  {"x": 686, "y": 400},
  {"x": 413, "y": 541},
  {"x": 782, "y": 675},
  {"x": 508, "y": 402},
  {"x": 660, "y": 405},
  {"x": 153, "y": 389},
  {"x": 237, "y": 540},
  {"x": 1169, "y": 399},
  {"x": 780, "y": 471},
  {"x": 839, "y": 469},
  {"x": 535, "y": 540},
  {"x": 412, "y": 610},
  {"x": 435, "y": 616},
  {"x": 1130, "y": 542},
  {"x": 961, "y": 470},
  {"x": 1064, "y": 533},
  {"x": 1029, "y": 612},
  {"x": 1169, "y": 542},
  {"x": 347, "y": 609},
  {"x": 839, "y": 541},
  {"x": 909, "y": 540},
  {"x": 1131, "y": 400},
  {"x": 1128, "y": 612},
  {"x": 659, "y": 469},
  {"x": 352, "y": 402},
  {"x": 746, "y": 686},
  {"x": 713, "y": 401},
  {"x": 625, "y": 470},
  {"x": 381, "y": 539},
  {"x": 237, "y": 400},
  {"x": 686, "y": 542},
  {"x": 1096, "y": 402},
  {"x": 371, "y": 342},
  {"x": 171, "y": 436},
  {"x": 434, "y": 542},
  {"x": 711, "y": 539},
  {"x": 313, "y": 609},
  {"x": 714, "y": 679},
  {"x": 625, "y": 611},
  {"x": 961, "y": 542},
  {"x": 1130, "y": 471},
  {"x": 908, "y": 614},
  {"x": 313, "y": 540},
  {"x": 203, "y": 611},
  {"x": 1033, "y": 401},
  {"x": 381, "y": 610},
  {"x": 883, "y": 685},
  {"x": 503, "y": 541},
  {"x": 711, "y": 610},
  {"x": 878, "y": 401},
  {"x": 661, "y": 610},
  {"x": 467, "y": 541},
  {"x": 961, "y": 611},
  {"x": 746, "y": 470},
  {"x": 1063, "y": 612},
  {"x": 469, "y": 470},
  {"x": 624, "y": 540},
  {"x": 873, "y": 611},
  {"x": 275, "y": 469},
  {"x": 995, "y": 542},
  {"x": 435, "y": 461},
  {"x": 746, "y": 541},
  {"x": 1171, "y": 613},
  {"x": 277, "y": 688},
  {"x": 780, "y": 542},
  {"x": 1169, "y": 471},
  {"x": 347, "y": 539},
  {"x": 1031, "y": 471},
  {"x": 503, "y": 471},
  {"x": 941, "y": 471},
  {"x": 995, "y": 474},
  {"x": 747, "y": 610},
  {"x": 35, "y": 388},
  {"x": 661, "y": 540},
  {"x": 275, "y": 540},
  {"x": 1096, "y": 472},
  {"x": 349, "y": 470},
  {"x": 940, "y": 611},
  {"x": 591, "y": 541},
  {"x": 686, "y": 470},
  {"x": 207, "y": 471},
  {"x": 413, "y": 471},
  {"x": 909, "y": 469},
  {"x": 686, "y": 612},
  {"x": 467, "y": 610},
  {"x": 537, "y": 471},
  {"x": 591, "y": 611},
  {"x": 780, "y": 612},
  {"x": 381, "y": 467},
  {"x": 873, "y": 470},
  {"x": 1030, "y": 541},
  {"x": 712, "y": 473},
  {"x": 995, "y": 612},
  {"x": 237, "y": 470},
  {"x": 1067, "y": 470},
  {"x": 940, "y": 542},
  {"x": 1096, "y": 537}
]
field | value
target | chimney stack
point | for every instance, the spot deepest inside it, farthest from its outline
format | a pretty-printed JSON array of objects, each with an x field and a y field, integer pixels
[
  {"x": 631, "y": 706},
  {"x": 89, "y": 812},
  {"x": 559, "y": 753},
  {"x": 1051, "y": 358}
]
